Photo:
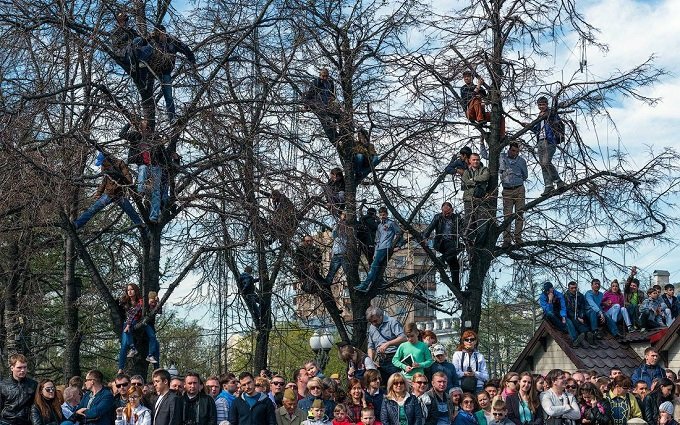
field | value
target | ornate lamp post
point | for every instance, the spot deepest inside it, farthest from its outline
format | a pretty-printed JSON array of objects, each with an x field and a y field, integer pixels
[{"x": 321, "y": 344}]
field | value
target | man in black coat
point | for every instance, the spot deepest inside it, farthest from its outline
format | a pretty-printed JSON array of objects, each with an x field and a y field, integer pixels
[
  {"x": 368, "y": 225},
  {"x": 447, "y": 226},
  {"x": 197, "y": 406},
  {"x": 167, "y": 408},
  {"x": 252, "y": 407},
  {"x": 17, "y": 393}
]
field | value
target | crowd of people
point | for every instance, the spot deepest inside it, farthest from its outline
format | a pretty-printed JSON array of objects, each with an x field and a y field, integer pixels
[
  {"x": 584, "y": 316},
  {"x": 406, "y": 378}
]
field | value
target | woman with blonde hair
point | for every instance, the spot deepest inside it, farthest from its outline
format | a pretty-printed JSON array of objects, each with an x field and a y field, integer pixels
[
  {"x": 400, "y": 407},
  {"x": 470, "y": 364},
  {"x": 133, "y": 413}
]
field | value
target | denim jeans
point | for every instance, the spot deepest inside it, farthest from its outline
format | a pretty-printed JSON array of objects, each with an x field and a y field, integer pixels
[
  {"x": 126, "y": 342},
  {"x": 361, "y": 167},
  {"x": 616, "y": 310},
  {"x": 567, "y": 327},
  {"x": 142, "y": 173},
  {"x": 337, "y": 261},
  {"x": 155, "y": 172},
  {"x": 102, "y": 202},
  {"x": 154, "y": 348},
  {"x": 546, "y": 151},
  {"x": 166, "y": 88},
  {"x": 377, "y": 266},
  {"x": 594, "y": 319}
]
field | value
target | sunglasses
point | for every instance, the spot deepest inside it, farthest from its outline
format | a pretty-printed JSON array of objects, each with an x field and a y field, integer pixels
[
  {"x": 314, "y": 388},
  {"x": 514, "y": 382},
  {"x": 398, "y": 383},
  {"x": 277, "y": 383},
  {"x": 137, "y": 384},
  {"x": 50, "y": 389},
  {"x": 498, "y": 413},
  {"x": 420, "y": 382},
  {"x": 573, "y": 387},
  {"x": 470, "y": 339},
  {"x": 122, "y": 385}
]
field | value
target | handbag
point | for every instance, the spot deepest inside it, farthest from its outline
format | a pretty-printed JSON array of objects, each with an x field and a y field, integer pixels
[{"x": 468, "y": 383}]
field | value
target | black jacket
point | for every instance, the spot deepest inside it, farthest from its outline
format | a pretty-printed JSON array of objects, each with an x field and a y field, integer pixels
[
  {"x": 368, "y": 225},
  {"x": 438, "y": 226},
  {"x": 650, "y": 406},
  {"x": 201, "y": 410},
  {"x": 38, "y": 419},
  {"x": 262, "y": 412},
  {"x": 16, "y": 399}
]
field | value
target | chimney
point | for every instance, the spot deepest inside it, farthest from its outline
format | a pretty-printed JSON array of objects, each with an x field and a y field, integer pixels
[{"x": 661, "y": 277}]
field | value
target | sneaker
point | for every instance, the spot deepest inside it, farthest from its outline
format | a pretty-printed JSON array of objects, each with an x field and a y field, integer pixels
[
  {"x": 630, "y": 328},
  {"x": 578, "y": 342},
  {"x": 590, "y": 338},
  {"x": 151, "y": 359},
  {"x": 132, "y": 352}
]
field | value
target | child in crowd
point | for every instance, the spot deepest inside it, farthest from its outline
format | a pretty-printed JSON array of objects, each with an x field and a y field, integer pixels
[
  {"x": 340, "y": 416},
  {"x": 368, "y": 417},
  {"x": 653, "y": 311},
  {"x": 317, "y": 415},
  {"x": 670, "y": 300},
  {"x": 500, "y": 413}
]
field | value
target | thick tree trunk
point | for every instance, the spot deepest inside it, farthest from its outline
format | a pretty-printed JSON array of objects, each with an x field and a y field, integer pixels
[
  {"x": 72, "y": 335},
  {"x": 11, "y": 314}
]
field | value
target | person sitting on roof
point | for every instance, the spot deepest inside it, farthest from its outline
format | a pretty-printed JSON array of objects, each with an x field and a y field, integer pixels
[{"x": 555, "y": 312}]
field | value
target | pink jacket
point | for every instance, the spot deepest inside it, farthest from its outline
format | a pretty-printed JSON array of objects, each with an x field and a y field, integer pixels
[{"x": 615, "y": 298}]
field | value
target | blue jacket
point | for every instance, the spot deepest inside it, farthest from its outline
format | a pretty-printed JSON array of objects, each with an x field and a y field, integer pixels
[
  {"x": 594, "y": 301},
  {"x": 449, "y": 370},
  {"x": 647, "y": 373},
  {"x": 550, "y": 309},
  {"x": 389, "y": 414},
  {"x": 554, "y": 128},
  {"x": 102, "y": 409}
]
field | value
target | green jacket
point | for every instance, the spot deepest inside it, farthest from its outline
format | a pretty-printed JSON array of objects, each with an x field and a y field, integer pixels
[{"x": 473, "y": 177}]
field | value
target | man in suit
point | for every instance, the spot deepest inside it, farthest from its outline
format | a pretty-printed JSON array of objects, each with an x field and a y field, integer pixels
[{"x": 168, "y": 405}]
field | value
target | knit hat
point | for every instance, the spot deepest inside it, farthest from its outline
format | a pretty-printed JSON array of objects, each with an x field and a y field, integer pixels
[
  {"x": 318, "y": 404},
  {"x": 289, "y": 395},
  {"x": 465, "y": 150},
  {"x": 547, "y": 286},
  {"x": 667, "y": 407}
]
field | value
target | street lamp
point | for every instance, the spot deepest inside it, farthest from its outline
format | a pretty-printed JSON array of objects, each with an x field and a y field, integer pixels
[{"x": 321, "y": 344}]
